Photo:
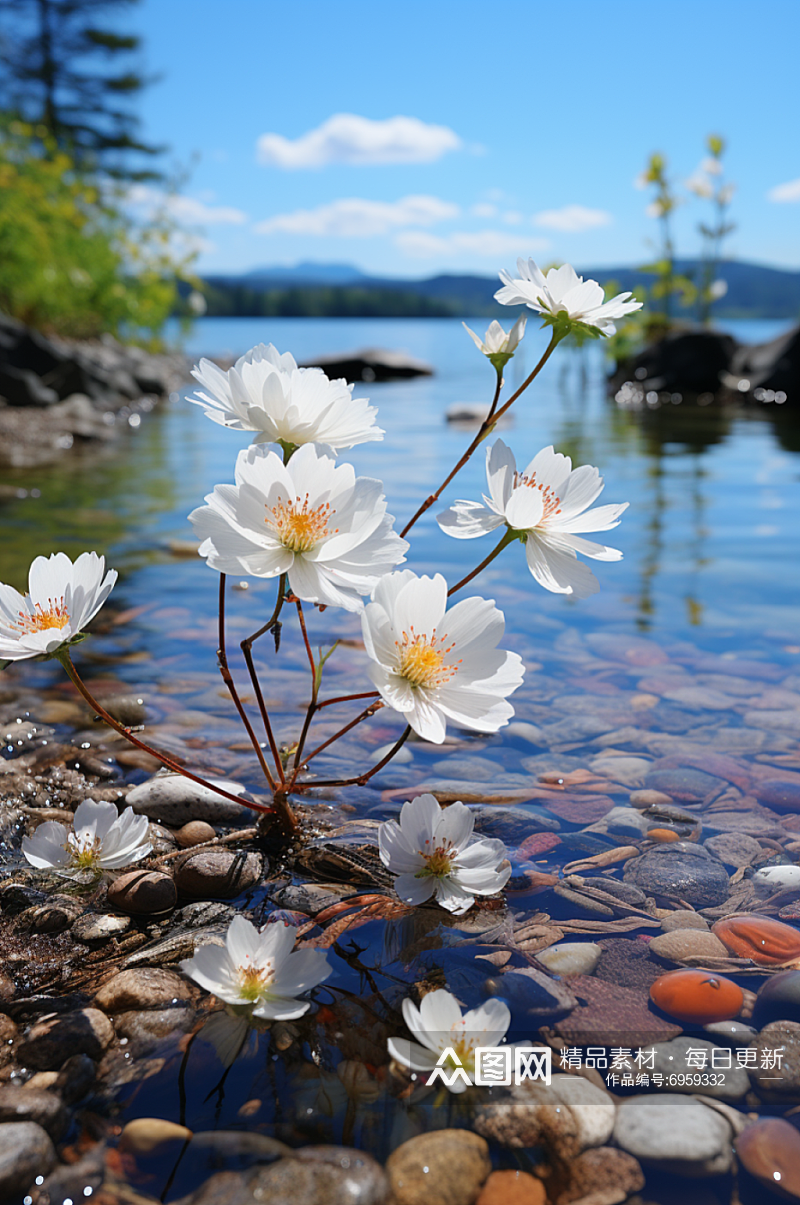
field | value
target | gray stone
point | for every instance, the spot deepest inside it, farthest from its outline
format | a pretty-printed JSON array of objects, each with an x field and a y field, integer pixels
[
  {"x": 94, "y": 928},
  {"x": 685, "y": 785},
  {"x": 672, "y": 1058},
  {"x": 684, "y": 919},
  {"x": 734, "y": 849},
  {"x": 316, "y": 1176},
  {"x": 630, "y": 771},
  {"x": 778, "y": 794},
  {"x": 19, "y": 1103},
  {"x": 218, "y": 873},
  {"x": 26, "y": 1151},
  {"x": 679, "y": 871},
  {"x": 176, "y": 800},
  {"x": 778, "y": 1042},
  {"x": 310, "y": 898},
  {"x": 672, "y": 1133},
  {"x": 148, "y": 1027},
  {"x": 570, "y": 1113},
  {"x": 623, "y": 822}
]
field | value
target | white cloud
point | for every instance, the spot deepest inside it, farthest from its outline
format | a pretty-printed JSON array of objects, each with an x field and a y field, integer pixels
[
  {"x": 348, "y": 138},
  {"x": 484, "y": 210},
  {"x": 785, "y": 192},
  {"x": 512, "y": 217},
  {"x": 355, "y": 217},
  {"x": 190, "y": 210},
  {"x": 572, "y": 218},
  {"x": 492, "y": 243}
]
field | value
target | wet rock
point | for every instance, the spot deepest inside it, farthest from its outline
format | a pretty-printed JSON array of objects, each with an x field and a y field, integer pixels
[
  {"x": 779, "y": 795},
  {"x": 770, "y": 879},
  {"x": 753, "y": 824},
  {"x": 679, "y": 871},
  {"x": 352, "y": 1180},
  {"x": 146, "y": 1134},
  {"x": 28, "y": 1104},
  {"x": 513, "y": 824},
  {"x": 571, "y": 957},
  {"x": 218, "y": 873},
  {"x": 763, "y": 939},
  {"x": 622, "y": 822},
  {"x": 672, "y": 1058},
  {"x": 683, "y": 919},
  {"x": 76, "y": 1078},
  {"x": 734, "y": 849},
  {"x": 674, "y": 1134},
  {"x": 568, "y": 1115},
  {"x": 684, "y": 945},
  {"x": 512, "y": 1188},
  {"x": 685, "y": 785},
  {"x": 531, "y": 993},
  {"x": 310, "y": 898},
  {"x": 233, "y": 1150},
  {"x": 631, "y": 650},
  {"x": 774, "y": 721},
  {"x": 129, "y": 710},
  {"x": 69, "y": 1182},
  {"x": 769, "y": 1150},
  {"x": 55, "y": 1039},
  {"x": 143, "y": 892},
  {"x": 9, "y": 1036},
  {"x": 696, "y": 996},
  {"x": 94, "y": 928},
  {"x": 630, "y": 771},
  {"x": 359, "y": 1179},
  {"x": 628, "y": 963},
  {"x": 26, "y": 1151},
  {"x": 147, "y": 1027},
  {"x": 610, "y": 1015},
  {"x": 648, "y": 799},
  {"x": 446, "y": 1166},
  {"x": 778, "y": 999},
  {"x": 176, "y": 800},
  {"x": 602, "y": 1176},
  {"x": 194, "y": 833},
  {"x": 146, "y": 987},
  {"x": 777, "y": 1075}
]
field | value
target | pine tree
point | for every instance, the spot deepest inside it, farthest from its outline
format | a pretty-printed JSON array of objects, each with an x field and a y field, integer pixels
[{"x": 54, "y": 55}]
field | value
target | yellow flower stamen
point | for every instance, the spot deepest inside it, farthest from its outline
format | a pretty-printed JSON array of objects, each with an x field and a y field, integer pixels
[
  {"x": 298, "y": 526},
  {"x": 422, "y": 662},
  {"x": 550, "y": 500},
  {"x": 41, "y": 620},
  {"x": 253, "y": 981}
]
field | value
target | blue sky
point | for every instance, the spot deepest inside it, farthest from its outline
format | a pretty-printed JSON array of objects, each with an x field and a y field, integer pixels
[{"x": 523, "y": 127}]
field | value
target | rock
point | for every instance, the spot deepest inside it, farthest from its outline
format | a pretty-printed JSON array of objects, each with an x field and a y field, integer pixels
[
  {"x": 753, "y": 824},
  {"x": 774, "y": 721},
  {"x": 763, "y": 939},
  {"x": 54, "y": 1039},
  {"x": 359, "y": 1179},
  {"x": 779, "y": 795},
  {"x": 687, "y": 786},
  {"x": 9, "y": 1036},
  {"x": 512, "y": 1188},
  {"x": 310, "y": 898},
  {"x": 70, "y": 1181},
  {"x": 143, "y": 892},
  {"x": 777, "y": 1075},
  {"x": 630, "y": 771},
  {"x": 623, "y": 822},
  {"x": 769, "y": 1150},
  {"x": 194, "y": 833},
  {"x": 683, "y": 945},
  {"x": 146, "y": 987},
  {"x": 218, "y": 874},
  {"x": 28, "y": 1104},
  {"x": 445, "y": 1166},
  {"x": 778, "y": 999},
  {"x": 566, "y": 1116},
  {"x": 612, "y": 1016},
  {"x": 673, "y": 1058},
  {"x": 679, "y": 871},
  {"x": 770, "y": 879},
  {"x": 735, "y": 1033},
  {"x": 648, "y": 799},
  {"x": 683, "y": 919},
  {"x": 672, "y": 1133},
  {"x": 602, "y": 1176},
  {"x": 371, "y": 364},
  {"x": 93, "y": 928},
  {"x": 687, "y": 361},
  {"x": 315, "y": 1176},
  {"x": 147, "y": 1027},
  {"x": 768, "y": 366},
  {"x": 697, "y": 997},
  {"x": 76, "y": 1077},
  {"x": 176, "y": 800},
  {"x": 146, "y": 1134},
  {"x": 233, "y": 1150},
  {"x": 22, "y": 388},
  {"x": 531, "y": 993},
  {"x": 26, "y": 1151},
  {"x": 734, "y": 849},
  {"x": 571, "y": 957}
]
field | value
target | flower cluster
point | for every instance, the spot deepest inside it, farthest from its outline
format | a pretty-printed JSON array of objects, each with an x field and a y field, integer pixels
[{"x": 98, "y": 840}]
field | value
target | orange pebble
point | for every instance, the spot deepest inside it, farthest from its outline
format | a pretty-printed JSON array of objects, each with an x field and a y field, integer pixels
[
  {"x": 764, "y": 940},
  {"x": 662, "y": 835},
  {"x": 697, "y": 996}
]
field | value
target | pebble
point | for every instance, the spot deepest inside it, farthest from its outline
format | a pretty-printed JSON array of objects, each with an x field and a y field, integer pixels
[
  {"x": 571, "y": 957},
  {"x": 734, "y": 849},
  {"x": 510, "y": 1187},
  {"x": 55, "y": 1039},
  {"x": 146, "y": 1027},
  {"x": 769, "y": 1149},
  {"x": 609, "y": 1014},
  {"x": 477, "y": 769},
  {"x": 143, "y": 892},
  {"x": 323, "y": 1176},
  {"x": 531, "y": 993},
  {"x": 93, "y": 927},
  {"x": 671, "y": 1058},
  {"x": 176, "y": 800},
  {"x": 9, "y": 1034},
  {"x": 674, "y": 1134},
  {"x": 776, "y": 878},
  {"x": 146, "y": 1134},
  {"x": 31, "y": 1104},
  {"x": 602, "y": 1176},
  {"x": 145, "y": 987},
  {"x": 687, "y": 786},
  {"x": 212, "y": 1149},
  {"x": 684, "y": 919},
  {"x": 648, "y": 799},
  {"x": 26, "y": 1151},
  {"x": 623, "y": 822},
  {"x": 778, "y": 999},
  {"x": 194, "y": 833},
  {"x": 310, "y": 898},
  {"x": 779, "y": 795},
  {"x": 681, "y": 945},
  {"x": 630, "y": 771},
  {"x": 445, "y": 1166},
  {"x": 774, "y": 721},
  {"x": 753, "y": 824},
  {"x": 735, "y": 1033},
  {"x": 763, "y": 939},
  {"x": 218, "y": 874},
  {"x": 679, "y": 871},
  {"x": 778, "y": 1083}
]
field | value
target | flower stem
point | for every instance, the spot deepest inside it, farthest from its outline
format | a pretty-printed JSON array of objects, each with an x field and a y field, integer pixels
[
  {"x": 247, "y": 647},
  {"x": 362, "y": 779},
  {"x": 492, "y": 417},
  {"x": 227, "y": 677},
  {"x": 364, "y": 715},
  {"x": 315, "y": 678},
  {"x": 63, "y": 656},
  {"x": 505, "y": 540}
]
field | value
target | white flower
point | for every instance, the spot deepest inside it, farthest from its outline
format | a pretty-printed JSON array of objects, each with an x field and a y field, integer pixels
[
  {"x": 100, "y": 839},
  {"x": 265, "y": 392},
  {"x": 311, "y": 518},
  {"x": 717, "y": 289},
  {"x": 431, "y": 852},
  {"x": 432, "y": 666},
  {"x": 546, "y": 504},
  {"x": 259, "y": 970},
  {"x": 561, "y": 293},
  {"x": 61, "y": 600},
  {"x": 700, "y": 186},
  {"x": 496, "y": 345},
  {"x": 438, "y": 1024}
]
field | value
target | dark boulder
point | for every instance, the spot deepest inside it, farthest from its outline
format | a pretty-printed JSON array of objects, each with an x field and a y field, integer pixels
[
  {"x": 772, "y": 366},
  {"x": 371, "y": 364},
  {"x": 689, "y": 361}
]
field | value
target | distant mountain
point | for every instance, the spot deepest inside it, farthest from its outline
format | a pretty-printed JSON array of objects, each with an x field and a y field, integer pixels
[{"x": 328, "y": 290}]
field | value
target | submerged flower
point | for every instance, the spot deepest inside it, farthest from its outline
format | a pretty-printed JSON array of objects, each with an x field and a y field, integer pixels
[
  {"x": 310, "y": 518},
  {"x": 439, "y": 1025},
  {"x": 431, "y": 852},
  {"x": 265, "y": 392},
  {"x": 259, "y": 970},
  {"x": 99, "y": 839},
  {"x": 496, "y": 345},
  {"x": 61, "y": 600},
  {"x": 561, "y": 294},
  {"x": 433, "y": 665},
  {"x": 545, "y": 505}
]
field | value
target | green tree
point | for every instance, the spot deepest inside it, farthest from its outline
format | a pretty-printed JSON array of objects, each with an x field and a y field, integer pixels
[{"x": 65, "y": 73}]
